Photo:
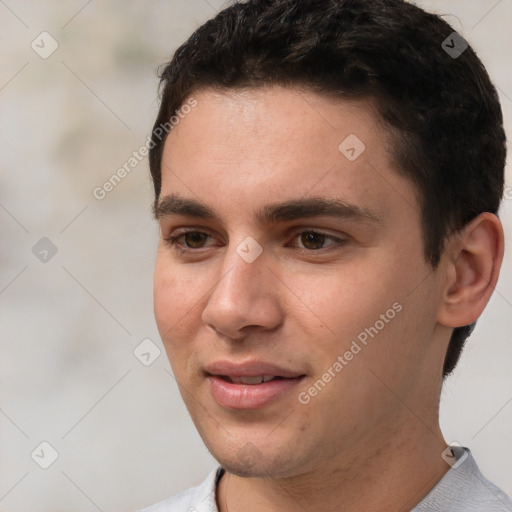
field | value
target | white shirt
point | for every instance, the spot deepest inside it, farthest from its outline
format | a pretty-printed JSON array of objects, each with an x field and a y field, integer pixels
[{"x": 462, "y": 489}]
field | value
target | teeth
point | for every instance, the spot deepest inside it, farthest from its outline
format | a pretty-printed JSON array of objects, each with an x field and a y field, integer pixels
[{"x": 252, "y": 380}]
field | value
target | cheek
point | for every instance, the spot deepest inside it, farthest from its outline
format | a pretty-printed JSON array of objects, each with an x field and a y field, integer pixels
[
  {"x": 176, "y": 305},
  {"x": 163, "y": 297},
  {"x": 342, "y": 300},
  {"x": 373, "y": 305}
]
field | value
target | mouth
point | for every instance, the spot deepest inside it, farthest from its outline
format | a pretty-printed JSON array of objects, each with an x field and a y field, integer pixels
[
  {"x": 251, "y": 381},
  {"x": 252, "y": 385}
]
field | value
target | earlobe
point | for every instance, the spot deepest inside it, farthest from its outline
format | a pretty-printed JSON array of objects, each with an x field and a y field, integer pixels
[{"x": 473, "y": 271}]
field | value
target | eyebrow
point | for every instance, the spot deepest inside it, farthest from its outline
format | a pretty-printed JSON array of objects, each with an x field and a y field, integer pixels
[{"x": 272, "y": 213}]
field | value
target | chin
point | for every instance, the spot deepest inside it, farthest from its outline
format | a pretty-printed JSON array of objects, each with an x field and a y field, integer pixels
[
  {"x": 248, "y": 461},
  {"x": 235, "y": 468}
]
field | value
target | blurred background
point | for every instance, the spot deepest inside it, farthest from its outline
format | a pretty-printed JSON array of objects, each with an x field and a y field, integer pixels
[{"x": 90, "y": 415}]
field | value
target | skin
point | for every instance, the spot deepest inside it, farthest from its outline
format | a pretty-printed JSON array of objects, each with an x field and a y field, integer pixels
[{"x": 370, "y": 439}]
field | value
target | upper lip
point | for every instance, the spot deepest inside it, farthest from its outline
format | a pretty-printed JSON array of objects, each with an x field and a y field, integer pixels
[{"x": 249, "y": 369}]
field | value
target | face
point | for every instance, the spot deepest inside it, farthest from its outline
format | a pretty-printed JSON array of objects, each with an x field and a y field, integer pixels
[{"x": 291, "y": 249}]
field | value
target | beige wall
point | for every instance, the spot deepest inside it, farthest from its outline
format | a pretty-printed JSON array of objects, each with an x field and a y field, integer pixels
[{"x": 69, "y": 325}]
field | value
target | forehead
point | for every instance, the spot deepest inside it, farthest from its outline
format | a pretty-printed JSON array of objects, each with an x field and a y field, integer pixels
[{"x": 241, "y": 147}]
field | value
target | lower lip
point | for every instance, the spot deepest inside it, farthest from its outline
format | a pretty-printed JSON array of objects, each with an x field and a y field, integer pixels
[{"x": 249, "y": 396}]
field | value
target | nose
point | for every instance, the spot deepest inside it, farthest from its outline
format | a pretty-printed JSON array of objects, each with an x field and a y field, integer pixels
[{"x": 244, "y": 298}]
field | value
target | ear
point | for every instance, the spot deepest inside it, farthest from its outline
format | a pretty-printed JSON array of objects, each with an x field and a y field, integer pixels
[{"x": 474, "y": 259}]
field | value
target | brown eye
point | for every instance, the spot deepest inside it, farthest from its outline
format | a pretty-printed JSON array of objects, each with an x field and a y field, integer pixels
[
  {"x": 311, "y": 240},
  {"x": 194, "y": 239}
]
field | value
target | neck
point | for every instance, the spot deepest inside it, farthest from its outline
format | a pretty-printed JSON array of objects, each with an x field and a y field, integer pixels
[{"x": 389, "y": 477}]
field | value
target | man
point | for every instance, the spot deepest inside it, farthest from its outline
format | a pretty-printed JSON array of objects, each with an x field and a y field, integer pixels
[{"x": 327, "y": 176}]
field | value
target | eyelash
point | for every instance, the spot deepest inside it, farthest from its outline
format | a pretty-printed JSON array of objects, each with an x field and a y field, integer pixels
[{"x": 172, "y": 241}]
